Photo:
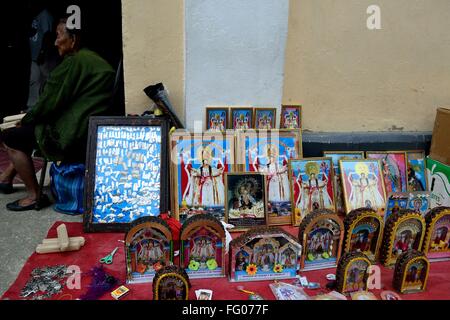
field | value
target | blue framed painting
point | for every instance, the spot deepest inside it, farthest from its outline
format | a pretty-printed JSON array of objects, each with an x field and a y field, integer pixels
[
  {"x": 269, "y": 152},
  {"x": 198, "y": 165},
  {"x": 265, "y": 118},
  {"x": 417, "y": 180},
  {"x": 242, "y": 118},
  {"x": 127, "y": 172},
  {"x": 217, "y": 119}
]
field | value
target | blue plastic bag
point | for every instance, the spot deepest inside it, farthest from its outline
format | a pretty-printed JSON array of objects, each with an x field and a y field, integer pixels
[{"x": 67, "y": 186}]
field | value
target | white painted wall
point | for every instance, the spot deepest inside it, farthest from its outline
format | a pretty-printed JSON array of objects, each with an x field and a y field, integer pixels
[{"x": 235, "y": 53}]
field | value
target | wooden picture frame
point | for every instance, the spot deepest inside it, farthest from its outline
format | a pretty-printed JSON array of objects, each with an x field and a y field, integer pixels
[
  {"x": 148, "y": 248},
  {"x": 326, "y": 228},
  {"x": 127, "y": 173},
  {"x": 200, "y": 191},
  {"x": 352, "y": 272},
  {"x": 365, "y": 176},
  {"x": 217, "y": 119},
  {"x": 416, "y": 170},
  {"x": 202, "y": 248},
  {"x": 437, "y": 239},
  {"x": 314, "y": 192},
  {"x": 336, "y": 156},
  {"x": 268, "y": 152},
  {"x": 241, "y": 118},
  {"x": 246, "y": 209},
  {"x": 395, "y": 169},
  {"x": 168, "y": 278},
  {"x": 264, "y": 253},
  {"x": 404, "y": 230},
  {"x": 291, "y": 117},
  {"x": 265, "y": 118},
  {"x": 363, "y": 232},
  {"x": 411, "y": 272}
]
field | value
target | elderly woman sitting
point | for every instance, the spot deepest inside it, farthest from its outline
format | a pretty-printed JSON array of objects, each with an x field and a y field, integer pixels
[{"x": 80, "y": 87}]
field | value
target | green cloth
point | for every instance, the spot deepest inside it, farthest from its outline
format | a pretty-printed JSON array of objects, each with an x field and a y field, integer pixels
[{"x": 80, "y": 87}]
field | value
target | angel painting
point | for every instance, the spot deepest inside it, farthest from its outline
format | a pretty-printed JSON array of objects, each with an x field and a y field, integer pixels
[
  {"x": 202, "y": 250},
  {"x": 394, "y": 170},
  {"x": 242, "y": 119}
]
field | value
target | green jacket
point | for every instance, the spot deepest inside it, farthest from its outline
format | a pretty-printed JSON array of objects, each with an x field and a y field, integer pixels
[{"x": 80, "y": 87}]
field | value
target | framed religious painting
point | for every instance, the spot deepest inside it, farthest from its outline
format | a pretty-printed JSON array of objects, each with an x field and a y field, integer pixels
[
  {"x": 437, "y": 239},
  {"x": 311, "y": 186},
  {"x": 352, "y": 272},
  {"x": 321, "y": 235},
  {"x": 245, "y": 200},
  {"x": 403, "y": 231},
  {"x": 202, "y": 249},
  {"x": 337, "y": 185},
  {"x": 269, "y": 152},
  {"x": 171, "y": 283},
  {"x": 264, "y": 253},
  {"x": 363, "y": 232},
  {"x": 416, "y": 171},
  {"x": 148, "y": 248},
  {"x": 265, "y": 118},
  {"x": 291, "y": 117},
  {"x": 363, "y": 184},
  {"x": 127, "y": 173},
  {"x": 217, "y": 119},
  {"x": 198, "y": 166},
  {"x": 242, "y": 118},
  {"x": 394, "y": 167},
  {"x": 411, "y": 272},
  {"x": 419, "y": 201}
]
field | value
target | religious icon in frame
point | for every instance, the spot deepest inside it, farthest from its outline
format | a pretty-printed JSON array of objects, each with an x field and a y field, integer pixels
[
  {"x": 126, "y": 172},
  {"x": 411, "y": 272},
  {"x": 363, "y": 184},
  {"x": 202, "y": 252},
  {"x": 417, "y": 179},
  {"x": 265, "y": 118},
  {"x": 311, "y": 186},
  {"x": 241, "y": 118},
  {"x": 419, "y": 201},
  {"x": 148, "y": 248},
  {"x": 352, "y": 272},
  {"x": 336, "y": 156},
  {"x": 291, "y": 117},
  {"x": 198, "y": 166},
  {"x": 264, "y": 253},
  {"x": 245, "y": 200},
  {"x": 437, "y": 240},
  {"x": 404, "y": 230},
  {"x": 268, "y": 152},
  {"x": 321, "y": 234},
  {"x": 217, "y": 119},
  {"x": 394, "y": 168},
  {"x": 363, "y": 232},
  {"x": 171, "y": 283}
]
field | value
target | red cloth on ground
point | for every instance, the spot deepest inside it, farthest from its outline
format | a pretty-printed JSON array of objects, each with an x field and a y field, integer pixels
[{"x": 99, "y": 245}]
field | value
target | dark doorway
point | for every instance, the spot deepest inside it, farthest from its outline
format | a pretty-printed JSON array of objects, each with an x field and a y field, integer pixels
[{"x": 101, "y": 23}]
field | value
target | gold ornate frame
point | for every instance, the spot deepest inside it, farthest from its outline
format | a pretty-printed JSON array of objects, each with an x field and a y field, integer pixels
[
  {"x": 405, "y": 272},
  {"x": 349, "y": 232},
  {"x": 295, "y": 219},
  {"x": 166, "y": 275},
  {"x": 430, "y": 229},
  {"x": 352, "y": 260}
]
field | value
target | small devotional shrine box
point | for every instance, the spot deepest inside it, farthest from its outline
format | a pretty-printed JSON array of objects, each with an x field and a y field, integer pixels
[
  {"x": 363, "y": 232},
  {"x": 437, "y": 239},
  {"x": 352, "y": 272},
  {"x": 264, "y": 253},
  {"x": 403, "y": 231},
  {"x": 411, "y": 272},
  {"x": 321, "y": 234},
  {"x": 171, "y": 283},
  {"x": 148, "y": 247},
  {"x": 203, "y": 247}
]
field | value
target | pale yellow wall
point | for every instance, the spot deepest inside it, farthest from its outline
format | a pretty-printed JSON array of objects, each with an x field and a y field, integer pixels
[
  {"x": 153, "y": 47},
  {"x": 349, "y": 78}
]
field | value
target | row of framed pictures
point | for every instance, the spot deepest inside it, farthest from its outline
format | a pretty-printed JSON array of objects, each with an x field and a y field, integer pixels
[{"x": 242, "y": 118}]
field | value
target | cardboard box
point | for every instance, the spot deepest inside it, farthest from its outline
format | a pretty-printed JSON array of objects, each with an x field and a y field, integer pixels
[
  {"x": 439, "y": 182},
  {"x": 440, "y": 141}
]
